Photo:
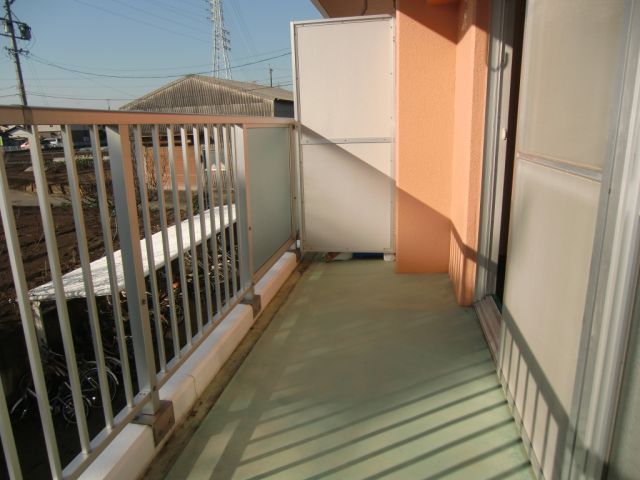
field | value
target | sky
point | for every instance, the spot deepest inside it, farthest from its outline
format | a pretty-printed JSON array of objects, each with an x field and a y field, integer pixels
[{"x": 103, "y": 53}]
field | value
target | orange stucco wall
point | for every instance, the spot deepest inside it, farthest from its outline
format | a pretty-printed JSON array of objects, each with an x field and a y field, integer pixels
[
  {"x": 441, "y": 71},
  {"x": 471, "y": 76},
  {"x": 441, "y": 86},
  {"x": 425, "y": 71}
]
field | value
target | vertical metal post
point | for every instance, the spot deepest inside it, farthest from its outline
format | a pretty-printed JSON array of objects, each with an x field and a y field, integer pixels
[
  {"x": 210, "y": 179},
  {"x": 105, "y": 219},
  {"x": 186, "y": 315},
  {"x": 8, "y": 440},
  {"x": 231, "y": 207},
  {"x": 49, "y": 228},
  {"x": 17, "y": 270},
  {"x": 87, "y": 276},
  {"x": 203, "y": 223},
  {"x": 217, "y": 134},
  {"x": 151, "y": 264},
  {"x": 243, "y": 206},
  {"x": 192, "y": 232},
  {"x": 128, "y": 231},
  {"x": 155, "y": 139},
  {"x": 293, "y": 165}
]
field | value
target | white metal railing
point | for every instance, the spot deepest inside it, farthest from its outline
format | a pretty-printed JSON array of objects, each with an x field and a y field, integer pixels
[{"x": 167, "y": 286}]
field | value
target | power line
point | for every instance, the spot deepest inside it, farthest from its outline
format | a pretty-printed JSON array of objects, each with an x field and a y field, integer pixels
[
  {"x": 160, "y": 17},
  {"x": 181, "y": 10},
  {"x": 242, "y": 26},
  {"x": 60, "y": 67},
  {"x": 137, "y": 20},
  {"x": 136, "y": 69}
]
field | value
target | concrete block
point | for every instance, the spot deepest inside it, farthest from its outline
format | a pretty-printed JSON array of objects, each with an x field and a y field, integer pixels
[
  {"x": 127, "y": 457},
  {"x": 273, "y": 280},
  {"x": 179, "y": 389}
]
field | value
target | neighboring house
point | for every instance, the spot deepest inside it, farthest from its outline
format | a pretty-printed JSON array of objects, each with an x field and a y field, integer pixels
[
  {"x": 203, "y": 95},
  {"x": 198, "y": 94},
  {"x": 20, "y": 134}
]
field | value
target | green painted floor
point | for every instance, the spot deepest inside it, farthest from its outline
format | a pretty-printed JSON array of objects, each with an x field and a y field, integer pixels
[{"x": 362, "y": 374}]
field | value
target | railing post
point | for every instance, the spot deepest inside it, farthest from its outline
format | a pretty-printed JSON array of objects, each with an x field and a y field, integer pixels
[
  {"x": 128, "y": 232},
  {"x": 243, "y": 214}
]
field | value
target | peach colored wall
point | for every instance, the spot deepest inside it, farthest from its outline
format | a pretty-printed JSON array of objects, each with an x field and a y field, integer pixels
[
  {"x": 441, "y": 72},
  {"x": 441, "y": 50},
  {"x": 425, "y": 71},
  {"x": 470, "y": 99}
]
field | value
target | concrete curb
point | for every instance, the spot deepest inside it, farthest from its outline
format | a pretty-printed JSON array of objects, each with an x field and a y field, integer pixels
[{"x": 133, "y": 449}]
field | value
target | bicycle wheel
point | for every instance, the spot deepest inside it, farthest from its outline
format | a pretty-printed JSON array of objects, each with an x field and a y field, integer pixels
[
  {"x": 22, "y": 407},
  {"x": 69, "y": 412},
  {"x": 90, "y": 384}
]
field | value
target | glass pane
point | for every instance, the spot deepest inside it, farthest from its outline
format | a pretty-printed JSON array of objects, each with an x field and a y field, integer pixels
[
  {"x": 571, "y": 71},
  {"x": 269, "y": 190}
]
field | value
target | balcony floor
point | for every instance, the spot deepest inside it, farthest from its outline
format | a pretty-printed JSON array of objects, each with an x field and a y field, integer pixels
[{"x": 362, "y": 374}]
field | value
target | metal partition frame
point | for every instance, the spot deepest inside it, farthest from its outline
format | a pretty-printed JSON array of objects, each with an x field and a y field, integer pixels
[{"x": 368, "y": 226}]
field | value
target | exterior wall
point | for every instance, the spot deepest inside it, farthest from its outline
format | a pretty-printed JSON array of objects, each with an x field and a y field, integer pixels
[
  {"x": 441, "y": 74},
  {"x": 470, "y": 98},
  {"x": 441, "y": 54},
  {"x": 283, "y": 108},
  {"x": 166, "y": 172},
  {"x": 426, "y": 63}
]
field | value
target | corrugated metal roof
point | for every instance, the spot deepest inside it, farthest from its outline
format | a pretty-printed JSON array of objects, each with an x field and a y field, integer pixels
[{"x": 211, "y": 96}]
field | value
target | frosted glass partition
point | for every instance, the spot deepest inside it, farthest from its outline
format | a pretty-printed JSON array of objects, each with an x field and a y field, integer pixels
[
  {"x": 270, "y": 191},
  {"x": 572, "y": 57}
]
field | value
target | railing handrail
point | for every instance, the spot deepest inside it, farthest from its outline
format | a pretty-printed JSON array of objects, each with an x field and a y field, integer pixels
[{"x": 18, "y": 115}]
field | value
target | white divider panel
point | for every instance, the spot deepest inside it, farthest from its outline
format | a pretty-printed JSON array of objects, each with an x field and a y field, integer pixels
[{"x": 345, "y": 104}]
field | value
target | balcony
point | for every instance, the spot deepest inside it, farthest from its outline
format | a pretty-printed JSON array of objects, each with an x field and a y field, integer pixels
[{"x": 361, "y": 372}]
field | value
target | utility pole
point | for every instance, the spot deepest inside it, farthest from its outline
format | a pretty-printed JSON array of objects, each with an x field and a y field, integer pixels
[
  {"x": 270, "y": 76},
  {"x": 25, "y": 34}
]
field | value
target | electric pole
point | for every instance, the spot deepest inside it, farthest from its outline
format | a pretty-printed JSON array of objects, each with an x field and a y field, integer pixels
[
  {"x": 25, "y": 34},
  {"x": 270, "y": 76}
]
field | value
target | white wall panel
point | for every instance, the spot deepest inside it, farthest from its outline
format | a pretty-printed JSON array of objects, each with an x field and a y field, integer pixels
[
  {"x": 345, "y": 104},
  {"x": 345, "y": 78},
  {"x": 347, "y": 193}
]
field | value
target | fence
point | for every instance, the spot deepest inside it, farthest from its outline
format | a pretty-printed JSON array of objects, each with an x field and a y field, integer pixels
[{"x": 151, "y": 270}]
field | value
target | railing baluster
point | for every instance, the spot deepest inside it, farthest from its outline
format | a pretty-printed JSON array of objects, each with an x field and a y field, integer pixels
[
  {"x": 242, "y": 196},
  {"x": 33, "y": 350},
  {"x": 231, "y": 205},
  {"x": 221, "y": 185},
  {"x": 49, "y": 228},
  {"x": 7, "y": 438},
  {"x": 162, "y": 208},
  {"x": 224, "y": 224},
  {"x": 129, "y": 234},
  {"x": 87, "y": 276},
  {"x": 105, "y": 219},
  {"x": 151, "y": 263},
  {"x": 210, "y": 176},
  {"x": 186, "y": 316},
  {"x": 192, "y": 231},
  {"x": 203, "y": 223}
]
